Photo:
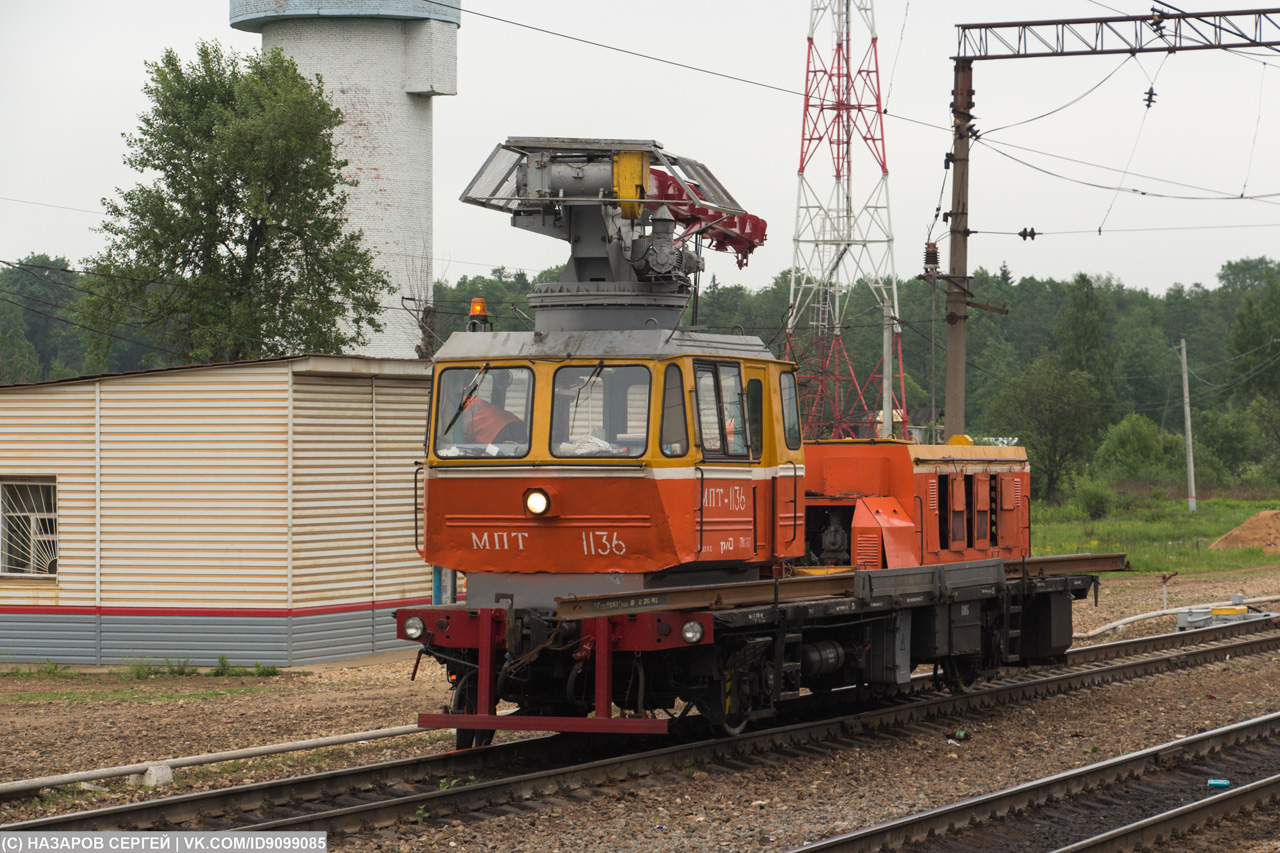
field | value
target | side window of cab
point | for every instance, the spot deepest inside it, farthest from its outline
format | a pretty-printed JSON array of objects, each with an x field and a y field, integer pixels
[
  {"x": 675, "y": 423},
  {"x": 790, "y": 409},
  {"x": 755, "y": 415},
  {"x": 722, "y": 423}
]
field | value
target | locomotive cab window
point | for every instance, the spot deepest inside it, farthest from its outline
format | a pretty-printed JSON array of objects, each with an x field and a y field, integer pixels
[
  {"x": 755, "y": 415},
  {"x": 484, "y": 412},
  {"x": 790, "y": 409},
  {"x": 722, "y": 426},
  {"x": 675, "y": 429},
  {"x": 600, "y": 411}
]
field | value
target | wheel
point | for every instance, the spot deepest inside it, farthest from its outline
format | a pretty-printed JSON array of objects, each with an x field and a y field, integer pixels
[
  {"x": 464, "y": 702},
  {"x": 958, "y": 674},
  {"x": 734, "y": 726},
  {"x": 717, "y": 708}
]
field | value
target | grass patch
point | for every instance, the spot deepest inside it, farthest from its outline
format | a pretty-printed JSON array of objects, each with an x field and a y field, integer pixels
[
  {"x": 139, "y": 669},
  {"x": 226, "y": 670},
  {"x": 179, "y": 668},
  {"x": 48, "y": 669},
  {"x": 1159, "y": 535},
  {"x": 82, "y": 697}
]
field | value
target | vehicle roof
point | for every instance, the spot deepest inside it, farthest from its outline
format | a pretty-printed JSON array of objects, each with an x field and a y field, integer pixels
[{"x": 624, "y": 343}]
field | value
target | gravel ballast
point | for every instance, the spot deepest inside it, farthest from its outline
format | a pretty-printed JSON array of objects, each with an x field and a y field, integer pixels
[{"x": 62, "y": 725}]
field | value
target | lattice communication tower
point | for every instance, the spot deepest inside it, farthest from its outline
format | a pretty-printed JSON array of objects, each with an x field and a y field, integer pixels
[{"x": 840, "y": 242}]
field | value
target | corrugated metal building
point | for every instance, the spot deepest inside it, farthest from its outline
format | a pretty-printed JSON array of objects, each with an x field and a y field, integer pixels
[{"x": 260, "y": 510}]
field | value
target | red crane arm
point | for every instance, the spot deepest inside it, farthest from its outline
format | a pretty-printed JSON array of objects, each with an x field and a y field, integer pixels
[{"x": 740, "y": 233}]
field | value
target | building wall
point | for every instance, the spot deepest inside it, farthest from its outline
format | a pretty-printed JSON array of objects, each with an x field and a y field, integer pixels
[
  {"x": 402, "y": 410},
  {"x": 49, "y": 431},
  {"x": 333, "y": 547},
  {"x": 97, "y": 639},
  {"x": 195, "y": 488},
  {"x": 356, "y": 440},
  {"x": 245, "y": 510}
]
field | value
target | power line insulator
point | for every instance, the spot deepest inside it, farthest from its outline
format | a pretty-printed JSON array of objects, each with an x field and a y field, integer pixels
[
  {"x": 930, "y": 258},
  {"x": 1027, "y": 232},
  {"x": 1151, "y": 97}
]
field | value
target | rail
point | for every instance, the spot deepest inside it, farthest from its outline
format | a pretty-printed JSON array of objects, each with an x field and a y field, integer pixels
[
  {"x": 940, "y": 821},
  {"x": 411, "y": 786}
]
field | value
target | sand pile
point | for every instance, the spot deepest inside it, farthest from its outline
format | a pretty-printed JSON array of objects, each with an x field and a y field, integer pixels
[{"x": 1261, "y": 531}]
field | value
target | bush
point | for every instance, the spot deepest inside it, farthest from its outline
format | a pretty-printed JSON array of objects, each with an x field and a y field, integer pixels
[
  {"x": 1233, "y": 439},
  {"x": 224, "y": 668},
  {"x": 1136, "y": 451},
  {"x": 1093, "y": 498}
]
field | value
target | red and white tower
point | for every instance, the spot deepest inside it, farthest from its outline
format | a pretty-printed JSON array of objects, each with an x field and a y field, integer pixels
[{"x": 839, "y": 242}]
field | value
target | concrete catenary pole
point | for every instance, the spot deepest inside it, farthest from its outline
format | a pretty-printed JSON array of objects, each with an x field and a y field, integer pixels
[
  {"x": 382, "y": 63},
  {"x": 1186, "y": 419},
  {"x": 958, "y": 280}
]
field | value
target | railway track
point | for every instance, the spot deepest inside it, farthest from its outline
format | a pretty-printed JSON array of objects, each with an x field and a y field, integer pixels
[
  {"x": 1127, "y": 803},
  {"x": 515, "y": 775}
]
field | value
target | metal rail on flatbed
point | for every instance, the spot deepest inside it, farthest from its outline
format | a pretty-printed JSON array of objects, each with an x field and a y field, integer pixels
[
  {"x": 843, "y": 584},
  {"x": 1071, "y": 564}
]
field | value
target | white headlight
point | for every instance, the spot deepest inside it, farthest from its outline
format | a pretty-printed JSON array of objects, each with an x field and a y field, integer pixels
[
  {"x": 414, "y": 627},
  {"x": 536, "y": 501},
  {"x": 692, "y": 631}
]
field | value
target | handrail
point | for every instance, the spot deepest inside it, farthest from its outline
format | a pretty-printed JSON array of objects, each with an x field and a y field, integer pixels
[
  {"x": 920, "y": 525},
  {"x": 701, "y": 492},
  {"x": 795, "y": 500},
  {"x": 418, "y": 509}
]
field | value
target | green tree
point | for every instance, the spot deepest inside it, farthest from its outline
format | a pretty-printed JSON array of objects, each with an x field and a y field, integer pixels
[
  {"x": 1083, "y": 336},
  {"x": 18, "y": 359},
  {"x": 996, "y": 361},
  {"x": 1149, "y": 368},
  {"x": 237, "y": 247},
  {"x": 1255, "y": 340},
  {"x": 1052, "y": 411},
  {"x": 1237, "y": 279},
  {"x": 1232, "y": 437},
  {"x": 48, "y": 292}
]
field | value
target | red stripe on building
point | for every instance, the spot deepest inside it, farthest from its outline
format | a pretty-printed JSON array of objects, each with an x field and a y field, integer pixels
[{"x": 271, "y": 612}]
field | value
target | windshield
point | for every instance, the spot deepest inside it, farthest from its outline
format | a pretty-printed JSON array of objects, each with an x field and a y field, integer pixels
[
  {"x": 600, "y": 411},
  {"x": 484, "y": 411}
]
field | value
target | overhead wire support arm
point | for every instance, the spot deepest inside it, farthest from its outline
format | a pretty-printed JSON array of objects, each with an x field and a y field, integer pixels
[
  {"x": 1155, "y": 32},
  {"x": 1158, "y": 32}
]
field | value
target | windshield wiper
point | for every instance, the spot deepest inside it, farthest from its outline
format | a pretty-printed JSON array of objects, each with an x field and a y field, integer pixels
[
  {"x": 472, "y": 387},
  {"x": 586, "y": 385}
]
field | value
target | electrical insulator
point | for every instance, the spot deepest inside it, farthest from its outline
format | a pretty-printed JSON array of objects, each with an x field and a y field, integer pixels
[
  {"x": 1151, "y": 97},
  {"x": 930, "y": 258}
]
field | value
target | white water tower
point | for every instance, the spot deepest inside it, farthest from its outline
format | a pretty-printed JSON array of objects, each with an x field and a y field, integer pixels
[{"x": 382, "y": 62}]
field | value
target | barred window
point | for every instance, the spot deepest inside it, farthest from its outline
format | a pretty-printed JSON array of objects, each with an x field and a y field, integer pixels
[{"x": 28, "y": 526}]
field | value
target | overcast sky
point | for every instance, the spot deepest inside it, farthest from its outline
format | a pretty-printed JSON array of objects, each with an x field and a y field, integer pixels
[{"x": 72, "y": 73}]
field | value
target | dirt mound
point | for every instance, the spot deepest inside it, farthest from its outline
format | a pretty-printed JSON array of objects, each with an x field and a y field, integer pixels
[{"x": 1261, "y": 531}]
